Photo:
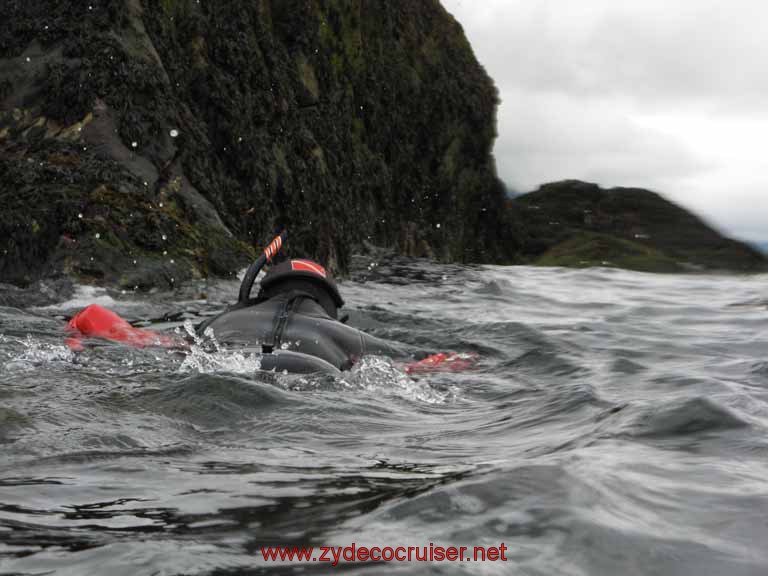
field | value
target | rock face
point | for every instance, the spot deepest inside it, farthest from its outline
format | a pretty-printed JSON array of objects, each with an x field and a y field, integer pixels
[
  {"x": 180, "y": 134},
  {"x": 573, "y": 223}
]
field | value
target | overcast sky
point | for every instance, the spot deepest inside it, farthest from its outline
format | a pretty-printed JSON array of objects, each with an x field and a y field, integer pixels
[{"x": 670, "y": 95}]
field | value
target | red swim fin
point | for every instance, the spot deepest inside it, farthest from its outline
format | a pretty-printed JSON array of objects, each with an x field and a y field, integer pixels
[
  {"x": 95, "y": 321},
  {"x": 444, "y": 362}
]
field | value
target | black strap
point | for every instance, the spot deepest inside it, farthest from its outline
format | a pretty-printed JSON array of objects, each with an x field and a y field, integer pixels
[{"x": 281, "y": 319}]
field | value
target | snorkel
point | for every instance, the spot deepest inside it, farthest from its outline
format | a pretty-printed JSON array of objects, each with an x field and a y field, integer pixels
[{"x": 272, "y": 249}]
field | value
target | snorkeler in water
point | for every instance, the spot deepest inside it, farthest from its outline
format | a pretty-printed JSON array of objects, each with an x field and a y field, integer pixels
[{"x": 297, "y": 307}]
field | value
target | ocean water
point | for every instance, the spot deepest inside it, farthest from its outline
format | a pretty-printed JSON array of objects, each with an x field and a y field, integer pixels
[{"x": 615, "y": 424}]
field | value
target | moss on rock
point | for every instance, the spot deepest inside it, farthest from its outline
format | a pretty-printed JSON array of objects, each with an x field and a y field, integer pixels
[{"x": 342, "y": 120}]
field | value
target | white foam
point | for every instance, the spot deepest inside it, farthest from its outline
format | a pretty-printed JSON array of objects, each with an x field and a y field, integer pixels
[
  {"x": 36, "y": 353},
  {"x": 372, "y": 374},
  {"x": 206, "y": 355},
  {"x": 87, "y": 295},
  {"x": 379, "y": 374}
]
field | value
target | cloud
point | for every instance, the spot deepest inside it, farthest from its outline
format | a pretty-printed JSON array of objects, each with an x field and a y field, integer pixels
[
  {"x": 665, "y": 95},
  {"x": 655, "y": 51},
  {"x": 551, "y": 137}
]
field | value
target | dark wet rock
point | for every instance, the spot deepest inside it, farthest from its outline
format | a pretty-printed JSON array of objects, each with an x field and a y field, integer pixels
[
  {"x": 214, "y": 123},
  {"x": 40, "y": 293},
  {"x": 573, "y": 223}
]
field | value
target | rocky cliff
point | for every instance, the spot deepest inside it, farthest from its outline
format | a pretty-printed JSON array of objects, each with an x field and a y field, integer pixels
[
  {"x": 573, "y": 223},
  {"x": 144, "y": 142}
]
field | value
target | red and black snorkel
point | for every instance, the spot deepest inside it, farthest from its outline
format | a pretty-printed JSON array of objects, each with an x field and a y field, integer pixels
[{"x": 272, "y": 249}]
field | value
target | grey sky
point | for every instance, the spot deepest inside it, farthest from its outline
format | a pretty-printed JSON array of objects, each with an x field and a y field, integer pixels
[{"x": 670, "y": 95}]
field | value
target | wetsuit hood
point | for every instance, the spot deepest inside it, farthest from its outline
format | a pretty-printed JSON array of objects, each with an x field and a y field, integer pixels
[{"x": 291, "y": 274}]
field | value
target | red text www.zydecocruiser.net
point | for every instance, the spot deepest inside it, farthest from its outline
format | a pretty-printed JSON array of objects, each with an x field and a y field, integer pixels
[{"x": 354, "y": 553}]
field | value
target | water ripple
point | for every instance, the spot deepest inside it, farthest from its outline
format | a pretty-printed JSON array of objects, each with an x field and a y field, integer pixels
[{"x": 616, "y": 423}]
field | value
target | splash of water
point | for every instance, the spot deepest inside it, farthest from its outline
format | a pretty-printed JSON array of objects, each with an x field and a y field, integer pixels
[
  {"x": 36, "y": 353},
  {"x": 379, "y": 374},
  {"x": 376, "y": 374},
  {"x": 205, "y": 355}
]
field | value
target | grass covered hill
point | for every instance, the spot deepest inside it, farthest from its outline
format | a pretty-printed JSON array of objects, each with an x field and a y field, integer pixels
[{"x": 574, "y": 223}]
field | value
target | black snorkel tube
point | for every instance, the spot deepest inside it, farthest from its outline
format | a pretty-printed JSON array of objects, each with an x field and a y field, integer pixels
[{"x": 253, "y": 270}]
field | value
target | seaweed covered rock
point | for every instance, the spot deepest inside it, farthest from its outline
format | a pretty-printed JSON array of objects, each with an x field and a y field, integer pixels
[
  {"x": 574, "y": 223},
  {"x": 143, "y": 142}
]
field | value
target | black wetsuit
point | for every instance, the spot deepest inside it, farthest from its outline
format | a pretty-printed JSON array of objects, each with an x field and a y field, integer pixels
[{"x": 294, "y": 333}]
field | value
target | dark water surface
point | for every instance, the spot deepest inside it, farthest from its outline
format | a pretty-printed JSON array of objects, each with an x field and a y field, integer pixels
[{"x": 616, "y": 425}]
